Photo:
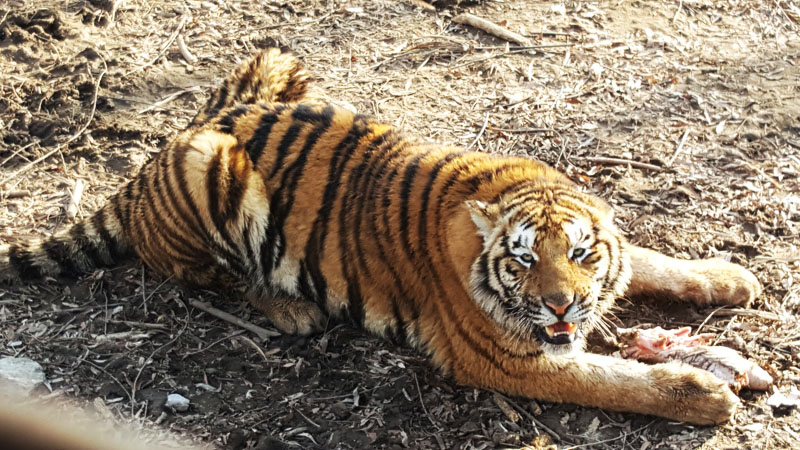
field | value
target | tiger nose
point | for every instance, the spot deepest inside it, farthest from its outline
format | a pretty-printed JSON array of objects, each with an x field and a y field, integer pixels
[{"x": 558, "y": 303}]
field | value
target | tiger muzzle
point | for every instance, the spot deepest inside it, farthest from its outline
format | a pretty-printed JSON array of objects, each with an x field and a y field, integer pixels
[{"x": 560, "y": 332}]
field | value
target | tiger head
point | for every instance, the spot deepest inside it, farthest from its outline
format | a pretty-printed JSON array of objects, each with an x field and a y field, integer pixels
[{"x": 552, "y": 262}]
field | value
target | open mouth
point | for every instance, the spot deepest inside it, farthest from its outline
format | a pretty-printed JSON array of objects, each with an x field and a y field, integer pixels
[{"x": 559, "y": 333}]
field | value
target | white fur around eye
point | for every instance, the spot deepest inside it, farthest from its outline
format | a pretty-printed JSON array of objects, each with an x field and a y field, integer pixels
[
  {"x": 578, "y": 254},
  {"x": 520, "y": 243},
  {"x": 526, "y": 259},
  {"x": 580, "y": 237}
]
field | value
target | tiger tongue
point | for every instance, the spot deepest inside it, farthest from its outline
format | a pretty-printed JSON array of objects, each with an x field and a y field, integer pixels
[{"x": 563, "y": 327}]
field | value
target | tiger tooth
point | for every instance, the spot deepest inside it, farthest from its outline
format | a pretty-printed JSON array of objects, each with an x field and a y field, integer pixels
[{"x": 550, "y": 332}]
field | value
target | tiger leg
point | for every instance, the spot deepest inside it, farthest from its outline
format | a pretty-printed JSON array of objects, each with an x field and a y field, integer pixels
[
  {"x": 672, "y": 390},
  {"x": 290, "y": 314},
  {"x": 703, "y": 282}
]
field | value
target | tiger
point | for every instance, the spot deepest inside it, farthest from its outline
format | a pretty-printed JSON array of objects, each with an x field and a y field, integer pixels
[{"x": 495, "y": 267}]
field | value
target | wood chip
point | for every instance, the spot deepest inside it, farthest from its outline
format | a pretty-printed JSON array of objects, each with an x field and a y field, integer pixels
[{"x": 491, "y": 28}]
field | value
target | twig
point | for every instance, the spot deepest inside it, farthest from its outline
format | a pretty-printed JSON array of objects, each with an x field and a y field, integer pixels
[
  {"x": 728, "y": 312},
  {"x": 165, "y": 47},
  {"x": 18, "y": 194},
  {"x": 622, "y": 162},
  {"x": 622, "y": 435},
  {"x": 506, "y": 408},
  {"x": 521, "y": 130},
  {"x": 480, "y": 133},
  {"x": 306, "y": 418},
  {"x": 114, "y": 8},
  {"x": 491, "y": 28},
  {"x": 145, "y": 325},
  {"x": 677, "y": 13},
  {"x": 516, "y": 48},
  {"x": 74, "y": 199},
  {"x": 187, "y": 55},
  {"x": 547, "y": 33},
  {"x": 424, "y": 5},
  {"x": 255, "y": 346},
  {"x": 767, "y": 315},
  {"x": 18, "y": 151},
  {"x": 299, "y": 23},
  {"x": 703, "y": 323},
  {"x": 260, "y": 332},
  {"x": 58, "y": 148},
  {"x": 424, "y": 409},
  {"x": 679, "y": 149},
  {"x": 129, "y": 335},
  {"x": 232, "y": 335},
  {"x": 169, "y": 98},
  {"x": 556, "y": 437}
]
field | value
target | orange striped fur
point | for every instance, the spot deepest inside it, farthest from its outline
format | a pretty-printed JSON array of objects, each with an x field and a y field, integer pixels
[{"x": 495, "y": 266}]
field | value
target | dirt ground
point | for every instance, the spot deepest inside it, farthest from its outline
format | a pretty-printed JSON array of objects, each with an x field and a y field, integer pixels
[{"x": 698, "y": 101}]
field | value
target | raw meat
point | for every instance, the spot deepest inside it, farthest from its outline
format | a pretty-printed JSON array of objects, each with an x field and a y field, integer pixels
[{"x": 657, "y": 345}]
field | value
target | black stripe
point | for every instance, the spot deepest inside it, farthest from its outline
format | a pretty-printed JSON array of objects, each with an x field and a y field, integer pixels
[
  {"x": 121, "y": 218},
  {"x": 213, "y": 181},
  {"x": 269, "y": 249},
  {"x": 384, "y": 207},
  {"x": 283, "y": 198},
  {"x": 355, "y": 308},
  {"x": 243, "y": 80},
  {"x": 283, "y": 148},
  {"x": 237, "y": 186},
  {"x": 474, "y": 182},
  {"x": 611, "y": 280},
  {"x": 409, "y": 175},
  {"x": 248, "y": 245},
  {"x": 178, "y": 168},
  {"x": 228, "y": 122},
  {"x": 302, "y": 115},
  {"x": 222, "y": 96},
  {"x": 305, "y": 286},
  {"x": 258, "y": 141},
  {"x": 59, "y": 250},
  {"x": 426, "y": 197},
  {"x": 399, "y": 336},
  {"x": 316, "y": 241},
  {"x": 168, "y": 228},
  {"x": 507, "y": 293},
  {"x": 21, "y": 261},
  {"x": 87, "y": 245},
  {"x": 483, "y": 267},
  {"x": 360, "y": 189},
  {"x": 110, "y": 244},
  {"x": 175, "y": 225},
  {"x": 164, "y": 188},
  {"x": 401, "y": 293}
]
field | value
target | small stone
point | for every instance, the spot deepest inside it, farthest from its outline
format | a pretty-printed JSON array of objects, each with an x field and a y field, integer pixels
[
  {"x": 177, "y": 402},
  {"x": 783, "y": 403},
  {"x": 24, "y": 373}
]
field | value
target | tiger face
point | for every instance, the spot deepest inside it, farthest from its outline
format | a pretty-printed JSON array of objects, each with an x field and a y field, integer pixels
[{"x": 550, "y": 266}]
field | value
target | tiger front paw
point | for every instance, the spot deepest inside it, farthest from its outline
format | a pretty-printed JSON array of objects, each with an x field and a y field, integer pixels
[
  {"x": 718, "y": 282},
  {"x": 694, "y": 395}
]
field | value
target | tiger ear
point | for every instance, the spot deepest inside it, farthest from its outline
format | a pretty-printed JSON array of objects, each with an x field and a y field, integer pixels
[{"x": 484, "y": 215}]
